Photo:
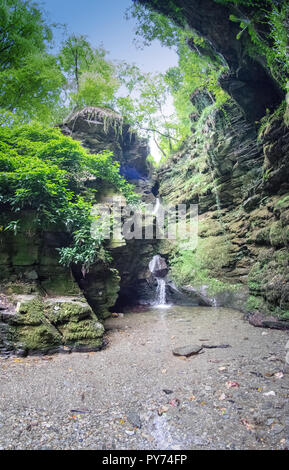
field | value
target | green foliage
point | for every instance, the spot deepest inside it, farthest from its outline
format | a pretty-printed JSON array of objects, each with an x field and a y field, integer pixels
[
  {"x": 266, "y": 23},
  {"x": 195, "y": 70},
  {"x": 30, "y": 78},
  {"x": 91, "y": 77},
  {"x": 201, "y": 265},
  {"x": 75, "y": 56},
  {"x": 144, "y": 107},
  {"x": 43, "y": 171}
]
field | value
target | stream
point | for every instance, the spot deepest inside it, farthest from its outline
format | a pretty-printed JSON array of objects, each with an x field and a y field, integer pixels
[{"x": 135, "y": 394}]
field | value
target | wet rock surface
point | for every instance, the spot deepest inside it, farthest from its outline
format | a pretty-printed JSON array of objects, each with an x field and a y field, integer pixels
[
  {"x": 235, "y": 398},
  {"x": 187, "y": 351},
  {"x": 262, "y": 321}
]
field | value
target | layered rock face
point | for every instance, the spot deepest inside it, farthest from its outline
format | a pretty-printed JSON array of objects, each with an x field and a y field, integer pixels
[
  {"x": 99, "y": 130},
  {"x": 240, "y": 182},
  {"x": 239, "y": 179},
  {"x": 45, "y": 307},
  {"x": 42, "y": 308}
]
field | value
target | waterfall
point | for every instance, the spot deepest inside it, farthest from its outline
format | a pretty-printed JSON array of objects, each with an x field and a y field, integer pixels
[
  {"x": 153, "y": 263},
  {"x": 158, "y": 268},
  {"x": 157, "y": 206},
  {"x": 161, "y": 292}
]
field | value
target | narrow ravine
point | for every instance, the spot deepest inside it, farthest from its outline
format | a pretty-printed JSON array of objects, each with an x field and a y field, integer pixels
[{"x": 136, "y": 394}]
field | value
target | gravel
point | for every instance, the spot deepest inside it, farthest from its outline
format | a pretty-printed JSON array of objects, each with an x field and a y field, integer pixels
[{"x": 111, "y": 399}]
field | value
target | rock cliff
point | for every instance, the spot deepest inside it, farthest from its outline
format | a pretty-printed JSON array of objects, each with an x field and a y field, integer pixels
[
  {"x": 248, "y": 82},
  {"x": 237, "y": 174},
  {"x": 240, "y": 182},
  {"x": 45, "y": 307}
]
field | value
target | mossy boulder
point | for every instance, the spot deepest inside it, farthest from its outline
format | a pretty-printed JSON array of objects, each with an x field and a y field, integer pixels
[
  {"x": 30, "y": 312},
  {"x": 59, "y": 312},
  {"x": 86, "y": 333},
  {"x": 42, "y": 338},
  {"x": 41, "y": 325}
]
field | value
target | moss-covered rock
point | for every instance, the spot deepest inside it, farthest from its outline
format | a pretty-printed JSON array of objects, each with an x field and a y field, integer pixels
[
  {"x": 59, "y": 312},
  {"x": 278, "y": 234},
  {"x": 85, "y": 334},
  {"x": 41, "y": 325},
  {"x": 40, "y": 339},
  {"x": 30, "y": 312},
  {"x": 269, "y": 282}
]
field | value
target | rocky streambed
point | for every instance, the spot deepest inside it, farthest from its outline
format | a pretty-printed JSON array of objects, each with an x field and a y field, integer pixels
[{"x": 136, "y": 394}]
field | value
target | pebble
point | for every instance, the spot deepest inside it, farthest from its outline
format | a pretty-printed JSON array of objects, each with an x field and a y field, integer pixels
[
  {"x": 134, "y": 419},
  {"x": 277, "y": 428}
]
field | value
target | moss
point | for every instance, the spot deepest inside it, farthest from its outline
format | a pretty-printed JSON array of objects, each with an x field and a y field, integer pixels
[
  {"x": 110, "y": 294},
  {"x": 202, "y": 264},
  {"x": 254, "y": 303},
  {"x": 263, "y": 236},
  {"x": 279, "y": 236},
  {"x": 269, "y": 280},
  {"x": 30, "y": 313},
  {"x": 63, "y": 312},
  {"x": 256, "y": 277},
  {"x": 210, "y": 227},
  {"x": 215, "y": 287},
  {"x": 83, "y": 333},
  {"x": 38, "y": 338}
]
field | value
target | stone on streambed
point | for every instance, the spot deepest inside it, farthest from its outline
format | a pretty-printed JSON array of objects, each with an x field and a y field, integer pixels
[
  {"x": 263, "y": 321},
  {"x": 134, "y": 419},
  {"x": 187, "y": 351}
]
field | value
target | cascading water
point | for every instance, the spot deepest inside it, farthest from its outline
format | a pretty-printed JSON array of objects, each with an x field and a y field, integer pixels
[
  {"x": 157, "y": 206},
  {"x": 158, "y": 267},
  {"x": 161, "y": 291}
]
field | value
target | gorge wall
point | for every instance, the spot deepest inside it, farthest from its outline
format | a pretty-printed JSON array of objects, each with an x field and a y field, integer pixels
[
  {"x": 234, "y": 170},
  {"x": 237, "y": 173},
  {"x": 45, "y": 307},
  {"x": 240, "y": 182},
  {"x": 249, "y": 81}
]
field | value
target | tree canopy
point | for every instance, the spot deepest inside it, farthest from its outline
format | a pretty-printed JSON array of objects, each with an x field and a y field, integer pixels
[
  {"x": 30, "y": 77},
  {"x": 91, "y": 77}
]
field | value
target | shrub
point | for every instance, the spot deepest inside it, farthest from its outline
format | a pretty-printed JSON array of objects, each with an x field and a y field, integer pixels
[{"x": 45, "y": 172}]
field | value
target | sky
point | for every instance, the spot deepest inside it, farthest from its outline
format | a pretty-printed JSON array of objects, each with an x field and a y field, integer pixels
[{"x": 104, "y": 23}]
